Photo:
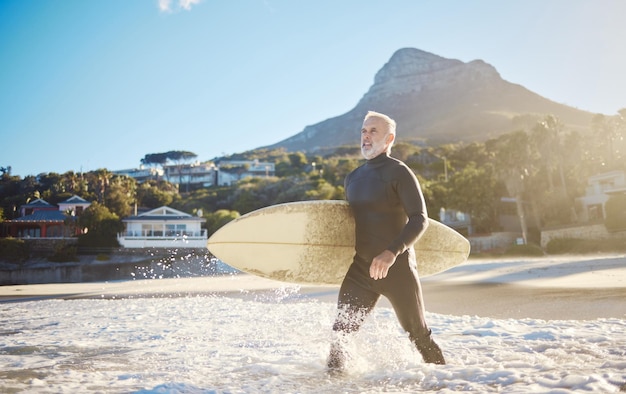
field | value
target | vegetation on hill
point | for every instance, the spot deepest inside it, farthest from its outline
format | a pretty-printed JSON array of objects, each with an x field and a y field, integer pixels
[{"x": 544, "y": 166}]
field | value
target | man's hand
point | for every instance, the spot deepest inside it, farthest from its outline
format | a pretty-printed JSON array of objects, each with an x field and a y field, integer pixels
[{"x": 381, "y": 264}]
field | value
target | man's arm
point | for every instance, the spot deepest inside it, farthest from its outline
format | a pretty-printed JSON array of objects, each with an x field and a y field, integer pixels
[
  {"x": 410, "y": 194},
  {"x": 412, "y": 199}
]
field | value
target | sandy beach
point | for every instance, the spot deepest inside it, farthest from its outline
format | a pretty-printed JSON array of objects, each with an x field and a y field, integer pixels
[
  {"x": 552, "y": 324},
  {"x": 561, "y": 288}
]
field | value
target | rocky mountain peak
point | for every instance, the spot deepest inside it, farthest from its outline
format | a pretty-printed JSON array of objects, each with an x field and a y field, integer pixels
[
  {"x": 436, "y": 99},
  {"x": 411, "y": 70},
  {"x": 410, "y": 61}
]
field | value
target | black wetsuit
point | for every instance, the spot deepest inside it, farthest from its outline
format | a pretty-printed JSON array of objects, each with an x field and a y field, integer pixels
[{"x": 390, "y": 213}]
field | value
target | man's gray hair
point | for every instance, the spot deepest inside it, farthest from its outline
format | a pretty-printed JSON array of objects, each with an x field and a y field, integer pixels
[
  {"x": 387, "y": 119},
  {"x": 390, "y": 122}
]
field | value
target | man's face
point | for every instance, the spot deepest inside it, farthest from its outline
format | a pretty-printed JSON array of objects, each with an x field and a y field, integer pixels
[{"x": 375, "y": 137}]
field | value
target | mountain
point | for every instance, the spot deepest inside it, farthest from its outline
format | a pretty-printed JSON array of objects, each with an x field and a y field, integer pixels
[{"x": 438, "y": 100}]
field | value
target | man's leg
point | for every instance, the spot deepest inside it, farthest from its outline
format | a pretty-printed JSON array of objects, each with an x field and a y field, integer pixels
[
  {"x": 353, "y": 305},
  {"x": 405, "y": 294},
  {"x": 431, "y": 352}
]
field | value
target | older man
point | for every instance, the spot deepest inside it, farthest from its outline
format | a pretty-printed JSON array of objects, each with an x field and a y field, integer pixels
[{"x": 390, "y": 216}]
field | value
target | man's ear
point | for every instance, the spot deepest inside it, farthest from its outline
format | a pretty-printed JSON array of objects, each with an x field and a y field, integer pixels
[{"x": 390, "y": 138}]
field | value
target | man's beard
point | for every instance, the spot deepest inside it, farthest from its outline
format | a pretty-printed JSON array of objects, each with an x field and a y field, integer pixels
[{"x": 376, "y": 149}]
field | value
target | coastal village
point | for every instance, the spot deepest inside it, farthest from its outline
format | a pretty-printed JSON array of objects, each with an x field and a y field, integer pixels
[{"x": 164, "y": 228}]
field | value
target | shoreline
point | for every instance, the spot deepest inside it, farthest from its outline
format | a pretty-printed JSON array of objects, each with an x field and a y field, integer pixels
[{"x": 559, "y": 288}]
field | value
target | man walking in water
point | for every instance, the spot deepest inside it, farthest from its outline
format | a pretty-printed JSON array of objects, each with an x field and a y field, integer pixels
[{"x": 390, "y": 215}]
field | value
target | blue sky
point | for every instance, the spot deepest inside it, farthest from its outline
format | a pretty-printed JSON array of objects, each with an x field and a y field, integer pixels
[{"x": 101, "y": 83}]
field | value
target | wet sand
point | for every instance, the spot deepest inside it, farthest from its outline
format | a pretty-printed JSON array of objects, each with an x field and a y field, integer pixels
[
  {"x": 574, "y": 288},
  {"x": 507, "y": 301}
]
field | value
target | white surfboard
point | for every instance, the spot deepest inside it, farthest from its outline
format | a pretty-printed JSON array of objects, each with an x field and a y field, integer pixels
[{"x": 312, "y": 242}]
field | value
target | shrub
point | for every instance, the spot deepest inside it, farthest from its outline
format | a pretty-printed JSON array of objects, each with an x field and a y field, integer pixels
[
  {"x": 64, "y": 253},
  {"x": 14, "y": 250}
]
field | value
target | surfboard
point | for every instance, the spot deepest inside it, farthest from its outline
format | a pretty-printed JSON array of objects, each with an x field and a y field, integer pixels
[{"x": 312, "y": 242}]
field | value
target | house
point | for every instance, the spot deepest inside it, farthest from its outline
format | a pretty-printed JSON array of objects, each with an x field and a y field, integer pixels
[
  {"x": 457, "y": 220},
  {"x": 231, "y": 171},
  {"x": 163, "y": 227},
  {"x": 599, "y": 189},
  {"x": 40, "y": 219},
  {"x": 35, "y": 206},
  {"x": 74, "y": 205},
  {"x": 142, "y": 173},
  {"x": 191, "y": 176}
]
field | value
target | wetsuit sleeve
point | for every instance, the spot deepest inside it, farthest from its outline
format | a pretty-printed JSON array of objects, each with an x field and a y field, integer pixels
[{"x": 410, "y": 195}]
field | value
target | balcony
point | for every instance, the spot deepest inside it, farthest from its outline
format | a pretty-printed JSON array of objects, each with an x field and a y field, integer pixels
[{"x": 163, "y": 239}]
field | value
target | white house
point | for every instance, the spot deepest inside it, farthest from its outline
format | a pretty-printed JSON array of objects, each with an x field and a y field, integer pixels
[
  {"x": 142, "y": 173},
  {"x": 163, "y": 227},
  {"x": 197, "y": 174},
  {"x": 599, "y": 188},
  {"x": 231, "y": 171},
  {"x": 76, "y": 205}
]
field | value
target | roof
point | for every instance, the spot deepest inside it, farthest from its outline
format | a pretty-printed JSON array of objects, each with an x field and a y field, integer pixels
[
  {"x": 42, "y": 216},
  {"x": 38, "y": 203},
  {"x": 75, "y": 200},
  {"x": 163, "y": 213}
]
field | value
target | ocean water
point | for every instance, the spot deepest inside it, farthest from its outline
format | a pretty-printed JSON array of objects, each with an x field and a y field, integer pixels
[{"x": 277, "y": 341}]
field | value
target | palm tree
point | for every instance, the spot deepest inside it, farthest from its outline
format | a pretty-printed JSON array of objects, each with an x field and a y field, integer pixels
[
  {"x": 513, "y": 159},
  {"x": 546, "y": 136}
]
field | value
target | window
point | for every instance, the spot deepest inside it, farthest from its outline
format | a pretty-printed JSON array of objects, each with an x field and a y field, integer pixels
[{"x": 175, "y": 230}]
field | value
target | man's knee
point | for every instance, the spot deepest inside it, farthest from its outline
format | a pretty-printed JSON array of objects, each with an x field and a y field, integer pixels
[{"x": 349, "y": 320}]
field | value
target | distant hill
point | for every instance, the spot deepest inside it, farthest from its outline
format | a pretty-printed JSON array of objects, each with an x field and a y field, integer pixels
[{"x": 438, "y": 100}]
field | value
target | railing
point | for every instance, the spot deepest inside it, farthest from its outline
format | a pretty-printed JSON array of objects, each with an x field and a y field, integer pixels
[
  {"x": 160, "y": 239},
  {"x": 163, "y": 234}
]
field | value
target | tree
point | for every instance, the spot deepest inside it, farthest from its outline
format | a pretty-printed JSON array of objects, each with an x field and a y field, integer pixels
[
  {"x": 153, "y": 194},
  {"x": 403, "y": 150},
  {"x": 102, "y": 227},
  {"x": 513, "y": 160},
  {"x": 179, "y": 158},
  {"x": 28, "y": 186},
  {"x": 294, "y": 164},
  {"x": 121, "y": 195},
  {"x": 219, "y": 218},
  {"x": 546, "y": 137},
  {"x": 607, "y": 135},
  {"x": 474, "y": 152},
  {"x": 99, "y": 182},
  {"x": 73, "y": 183},
  {"x": 336, "y": 169},
  {"x": 154, "y": 159},
  {"x": 322, "y": 190},
  {"x": 50, "y": 185},
  {"x": 436, "y": 195},
  {"x": 475, "y": 193},
  {"x": 10, "y": 195},
  {"x": 239, "y": 170}
]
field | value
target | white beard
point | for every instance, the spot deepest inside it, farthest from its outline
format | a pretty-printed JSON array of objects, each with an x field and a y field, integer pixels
[{"x": 371, "y": 152}]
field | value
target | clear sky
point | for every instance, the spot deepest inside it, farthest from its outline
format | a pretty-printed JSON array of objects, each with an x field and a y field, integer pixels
[{"x": 101, "y": 83}]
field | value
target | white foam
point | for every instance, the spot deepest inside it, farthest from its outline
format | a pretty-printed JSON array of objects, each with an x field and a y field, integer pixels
[
  {"x": 268, "y": 337},
  {"x": 221, "y": 344}
]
